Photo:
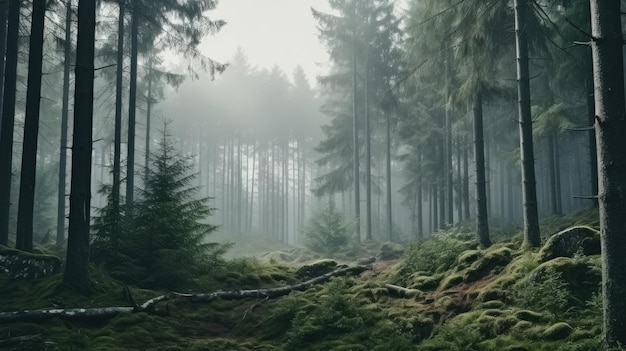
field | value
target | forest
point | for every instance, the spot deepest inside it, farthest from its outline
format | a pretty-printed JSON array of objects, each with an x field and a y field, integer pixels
[{"x": 453, "y": 178}]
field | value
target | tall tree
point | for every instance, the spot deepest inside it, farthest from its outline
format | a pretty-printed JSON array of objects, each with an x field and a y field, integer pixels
[
  {"x": 608, "y": 71},
  {"x": 117, "y": 138},
  {"x": 77, "y": 261},
  {"x": 67, "y": 53},
  {"x": 532, "y": 236},
  {"x": 8, "y": 118},
  {"x": 132, "y": 107},
  {"x": 24, "y": 237}
]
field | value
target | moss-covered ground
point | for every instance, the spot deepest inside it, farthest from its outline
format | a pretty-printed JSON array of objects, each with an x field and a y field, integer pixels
[{"x": 464, "y": 298}]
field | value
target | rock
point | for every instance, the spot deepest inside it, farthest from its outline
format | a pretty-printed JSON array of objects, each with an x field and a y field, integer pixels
[
  {"x": 366, "y": 260},
  {"x": 316, "y": 268},
  {"x": 529, "y": 316},
  {"x": 558, "y": 331},
  {"x": 390, "y": 251},
  {"x": 23, "y": 265},
  {"x": 567, "y": 243}
]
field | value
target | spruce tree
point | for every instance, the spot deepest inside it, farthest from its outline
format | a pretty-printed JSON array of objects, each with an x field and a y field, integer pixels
[{"x": 165, "y": 244}]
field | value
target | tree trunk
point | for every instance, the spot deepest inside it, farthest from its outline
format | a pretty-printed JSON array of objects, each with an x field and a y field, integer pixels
[
  {"x": 591, "y": 139},
  {"x": 610, "y": 127},
  {"x": 355, "y": 145},
  {"x": 388, "y": 171},
  {"x": 64, "y": 117},
  {"x": 482, "y": 220},
  {"x": 448, "y": 153},
  {"x": 552, "y": 168},
  {"x": 132, "y": 109},
  {"x": 24, "y": 237},
  {"x": 148, "y": 120},
  {"x": 77, "y": 262},
  {"x": 532, "y": 236},
  {"x": 368, "y": 158},
  {"x": 466, "y": 196},
  {"x": 8, "y": 118},
  {"x": 4, "y": 12},
  {"x": 117, "y": 142}
]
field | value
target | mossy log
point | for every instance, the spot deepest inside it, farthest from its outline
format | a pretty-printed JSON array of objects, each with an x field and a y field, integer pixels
[{"x": 149, "y": 306}]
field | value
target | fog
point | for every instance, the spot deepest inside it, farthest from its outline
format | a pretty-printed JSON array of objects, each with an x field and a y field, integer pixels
[{"x": 284, "y": 108}]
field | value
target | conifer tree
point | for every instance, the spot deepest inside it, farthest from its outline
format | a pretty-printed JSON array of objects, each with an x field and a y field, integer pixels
[{"x": 165, "y": 246}]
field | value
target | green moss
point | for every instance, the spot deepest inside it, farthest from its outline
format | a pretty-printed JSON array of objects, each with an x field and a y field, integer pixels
[
  {"x": 557, "y": 331},
  {"x": 530, "y": 316},
  {"x": 493, "y": 304},
  {"x": 450, "y": 281}
]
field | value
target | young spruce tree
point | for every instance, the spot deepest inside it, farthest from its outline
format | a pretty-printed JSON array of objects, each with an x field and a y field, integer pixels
[{"x": 166, "y": 239}]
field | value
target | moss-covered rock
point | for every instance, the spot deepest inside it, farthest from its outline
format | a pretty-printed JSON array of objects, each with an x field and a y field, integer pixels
[
  {"x": 390, "y": 251},
  {"x": 582, "y": 274},
  {"x": 558, "y": 331},
  {"x": 571, "y": 241},
  {"x": 316, "y": 268},
  {"x": 493, "y": 258},
  {"x": 24, "y": 265}
]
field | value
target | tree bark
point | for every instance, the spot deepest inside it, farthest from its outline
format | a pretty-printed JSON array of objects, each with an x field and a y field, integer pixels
[
  {"x": 148, "y": 121},
  {"x": 132, "y": 109},
  {"x": 466, "y": 196},
  {"x": 532, "y": 236},
  {"x": 591, "y": 140},
  {"x": 8, "y": 118},
  {"x": 610, "y": 127},
  {"x": 24, "y": 235},
  {"x": 355, "y": 145},
  {"x": 388, "y": 180},
  {"x": 482, "y": 219},
  {"x": 368, "y": 158},
  {"x": 67, "y": 55},
  {"x": 77, "y": 262},
  {"x": 117, "y": 142}
]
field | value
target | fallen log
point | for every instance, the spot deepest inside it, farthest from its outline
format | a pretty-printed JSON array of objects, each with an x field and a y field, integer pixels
[
  {"x": 272, "y": 292},
  {"x": 149, "y": 306}
]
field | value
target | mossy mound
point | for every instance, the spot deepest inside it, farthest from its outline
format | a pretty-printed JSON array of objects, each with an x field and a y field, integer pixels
[
  {"x": 23, "y": 265},
  {"x": 390, "y": 251},
  {"x": 558, "y": 331},
  {"x": 569, "y": 242},
  {"x": 316, "y": 268}
]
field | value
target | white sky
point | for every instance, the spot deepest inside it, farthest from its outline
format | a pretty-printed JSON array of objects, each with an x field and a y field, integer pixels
[{"x": 270, "y": 32}]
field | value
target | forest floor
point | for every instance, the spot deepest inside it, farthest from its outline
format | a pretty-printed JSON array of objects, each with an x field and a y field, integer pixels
[{"x": 441, "y": 294}]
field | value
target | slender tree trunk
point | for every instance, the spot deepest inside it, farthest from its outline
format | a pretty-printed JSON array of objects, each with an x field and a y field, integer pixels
[
  {"x": 420, "y": 201},
  {"x": 388, "y": 171},
  {"x": 557, "y": 175},
  {"x": 591, "y": 140},
  {"x": 132, "y": 109},
  {"x": 466, "y": 192},
  {"x": 531, "y": 216},
  {"x": 368, "y": 159},
  {"x": 459, "y": 181},
  {"x": 60, "y": 237},
  {"x": 24, "y": 238},
  {"x": 117, "y": 147},
  {"x": 610, "y": 128},
  {"x": 148, "y": 120},
  {"x": 441, "y": 182},
  {"x": 435, "y": 207},
  {"x": 552, "y": 175},
  {"x": 4, "y": 12},
  {"x": 448, "y": 152},
  {"x": 8, "y": 118},
  {"x": 254, "y": 151},
  {"x": 482, "y": 220},
  {"x": 77, "y": 262},
  {"x": 355, "y": 145}
]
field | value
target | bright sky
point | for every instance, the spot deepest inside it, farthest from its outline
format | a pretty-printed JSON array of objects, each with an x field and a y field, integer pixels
[{"x": 270, "y": 32}]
